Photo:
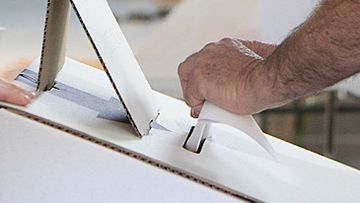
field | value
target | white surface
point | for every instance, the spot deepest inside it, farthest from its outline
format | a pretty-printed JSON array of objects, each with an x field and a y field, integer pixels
[
  {"x": 119, "y": 61},
  {"x": 210, "y": 113},
  {"x": 279, "y": 17},
  {"x": 351, "y": 85},
  {"x": 229, "y": 158},
  {"x": 2, "y": 29},
  {"x": 40, "y": 164}
]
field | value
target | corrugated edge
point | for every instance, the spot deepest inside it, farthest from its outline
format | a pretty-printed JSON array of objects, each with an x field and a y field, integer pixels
[
  {"x": 132, "y": 122},
  {"x": 135, "y": 155},
  {"x": 43, "y": 43}
]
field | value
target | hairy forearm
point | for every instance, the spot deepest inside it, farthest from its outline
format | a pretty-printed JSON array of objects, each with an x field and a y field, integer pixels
[{"x": 322, "y": 51}]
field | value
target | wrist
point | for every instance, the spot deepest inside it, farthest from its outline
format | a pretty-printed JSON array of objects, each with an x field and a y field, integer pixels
[
  {"x": 267, "y": 88},
  {"x": 253, "y": 88},
  {"x": 262, "y": 85}
]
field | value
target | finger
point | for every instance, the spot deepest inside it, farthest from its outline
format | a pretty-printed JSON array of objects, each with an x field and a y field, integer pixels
[
  {"x": 195, "y": 111},
  {"x": 20, "y": 90},
  {"x": 14, "y": 96},
  {"x": 184, "y": 70},
  {"x": 193, "y": 93}
]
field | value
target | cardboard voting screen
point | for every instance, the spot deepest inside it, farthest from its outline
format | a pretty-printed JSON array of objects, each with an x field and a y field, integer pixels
[
  {"x": 113, "y": 51},
  {"x": 54, "y": 43},
  {"x": 230, "y": 161}
]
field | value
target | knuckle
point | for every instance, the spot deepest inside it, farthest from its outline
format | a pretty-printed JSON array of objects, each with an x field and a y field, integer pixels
[
  {"x": 199, "y": 75},
  {"x": 188, "y": 103},
  {"x": 188, "y": 100},
  {"x": 186, "y": 66},
  {"x": 210, "y": 45},
  {"x": 226, "y": 40}
]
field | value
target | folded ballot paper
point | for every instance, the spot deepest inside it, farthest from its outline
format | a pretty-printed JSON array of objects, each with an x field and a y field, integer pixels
[{"x": 119, "y": 110}]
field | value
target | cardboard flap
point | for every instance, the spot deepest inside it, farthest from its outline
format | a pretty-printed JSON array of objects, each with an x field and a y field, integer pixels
[
  {"x": 54, "y": 43},
  {"x": 112, "y": 49},
  {"x": 119, "y": 62}
]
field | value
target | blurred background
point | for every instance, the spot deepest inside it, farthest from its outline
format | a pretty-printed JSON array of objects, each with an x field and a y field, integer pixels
[{"x": 163, "y": 32}]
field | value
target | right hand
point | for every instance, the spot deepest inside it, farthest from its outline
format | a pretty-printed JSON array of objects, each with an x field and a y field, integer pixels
[
  {"x": 223, "y": 74},
  {"x": 13, "y": 94}
]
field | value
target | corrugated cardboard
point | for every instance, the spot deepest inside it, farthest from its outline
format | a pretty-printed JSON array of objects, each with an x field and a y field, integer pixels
[{"x": 230, "y": 161}]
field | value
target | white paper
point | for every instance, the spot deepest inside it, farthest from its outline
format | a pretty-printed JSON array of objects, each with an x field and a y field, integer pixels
[{"x": 247, "y": 124}]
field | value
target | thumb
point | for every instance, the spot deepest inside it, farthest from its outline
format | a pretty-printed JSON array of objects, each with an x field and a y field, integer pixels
[{"x": 195, "y": 111}]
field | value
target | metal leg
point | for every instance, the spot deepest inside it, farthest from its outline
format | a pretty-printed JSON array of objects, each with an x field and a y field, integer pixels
[
  {"x": 265, "y": 121},
  {"x": 329, "y": 125},
  {"x": 299, "y": 118}
]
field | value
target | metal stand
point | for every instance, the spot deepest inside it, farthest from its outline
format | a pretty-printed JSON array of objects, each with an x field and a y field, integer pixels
[{"x": 329, "y": 149}]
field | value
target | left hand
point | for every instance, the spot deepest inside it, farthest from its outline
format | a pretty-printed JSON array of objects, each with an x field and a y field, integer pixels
[{"x": 13, "y": 94}]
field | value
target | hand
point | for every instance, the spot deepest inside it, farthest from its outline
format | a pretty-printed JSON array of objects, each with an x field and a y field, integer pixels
[
  {"x": 12, "y": 94},
  {"x": 224, "y": 74}
]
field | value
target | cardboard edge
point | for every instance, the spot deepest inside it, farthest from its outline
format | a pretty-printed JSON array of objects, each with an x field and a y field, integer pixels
[
  {"x": 133, "y": 154},
  {"x": 53, "y": 58},
  {"x": 131, "y": 120}
]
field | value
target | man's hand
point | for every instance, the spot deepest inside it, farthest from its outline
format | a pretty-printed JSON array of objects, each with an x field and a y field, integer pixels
[
  {"x": 224, "y": 74},
  {"x": 322, "y": 51},
  {"x": 12, "y": 94}
]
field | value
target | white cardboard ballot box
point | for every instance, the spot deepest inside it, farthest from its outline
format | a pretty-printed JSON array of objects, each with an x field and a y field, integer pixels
[{"x": 99, "y": 136}]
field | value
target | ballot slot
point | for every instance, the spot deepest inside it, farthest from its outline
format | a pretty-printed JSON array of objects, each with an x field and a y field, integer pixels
[
  {"x": 212, "y": 114},
  {"x": 196, "y": 138}
]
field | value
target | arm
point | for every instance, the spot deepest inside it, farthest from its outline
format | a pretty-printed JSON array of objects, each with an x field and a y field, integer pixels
[{"x": 321, "y": 52}]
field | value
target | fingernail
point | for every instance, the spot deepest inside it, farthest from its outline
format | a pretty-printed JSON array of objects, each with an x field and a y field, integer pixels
[
  {"x": 192, "y": 113},
  {"x": 197, "y": 112},
  {"x": 27, "y": 97}
]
